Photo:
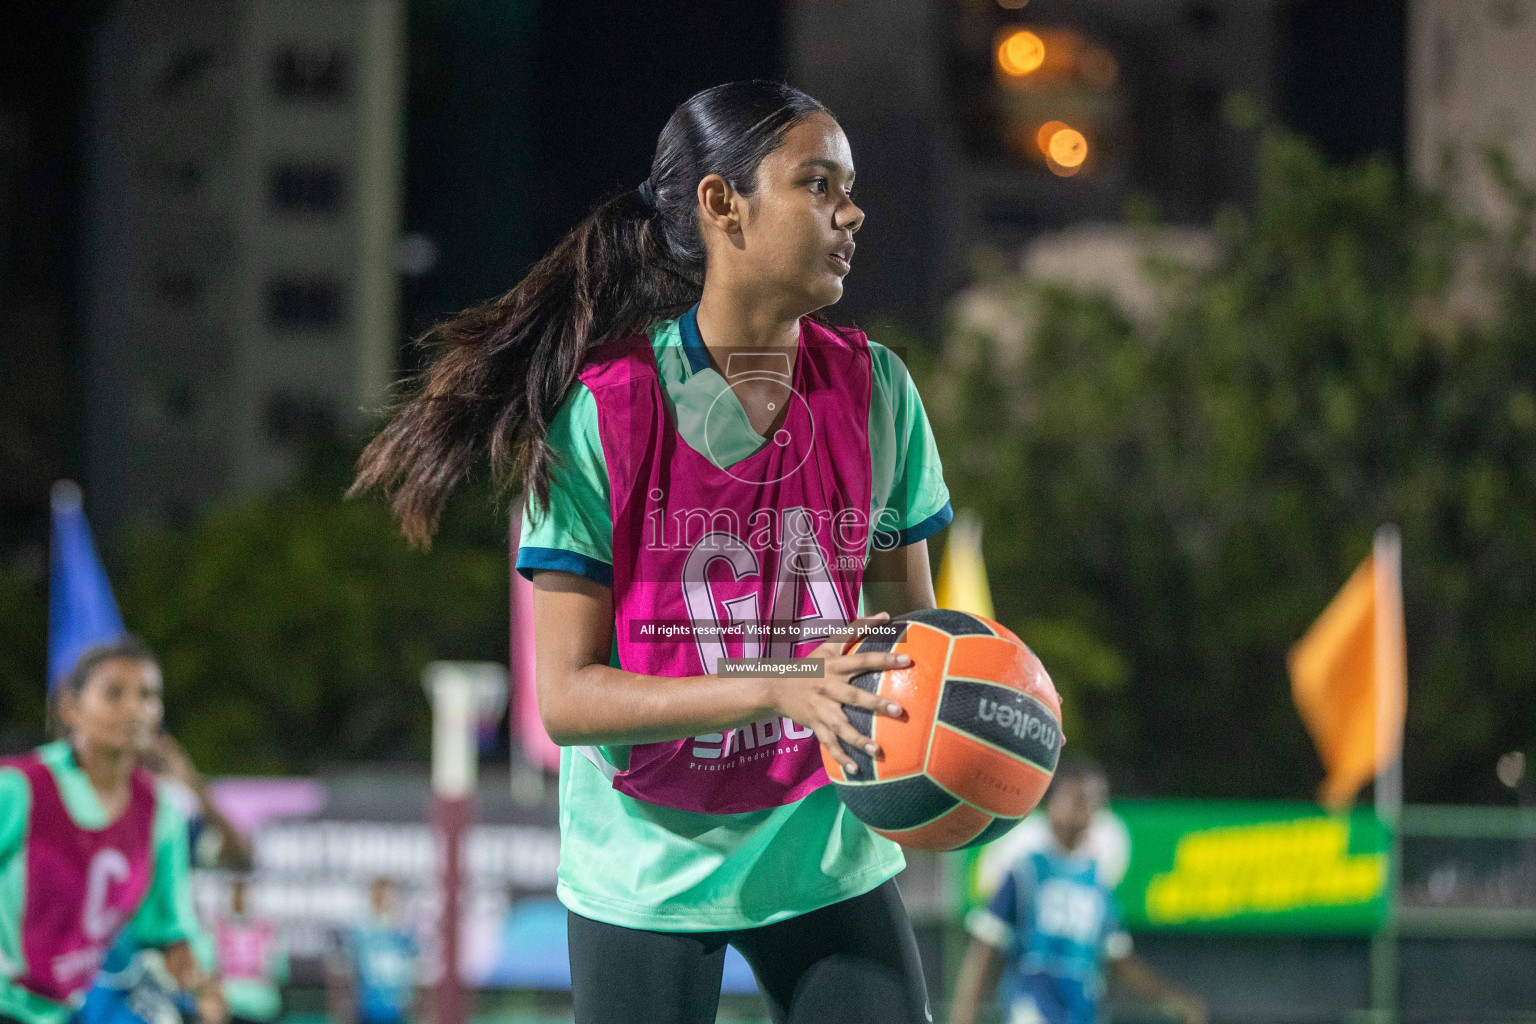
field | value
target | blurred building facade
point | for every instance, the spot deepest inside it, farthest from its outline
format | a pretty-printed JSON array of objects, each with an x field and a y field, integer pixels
[
  {"x": 243, "y": 181},
  {"x": 986, "y": 122},
  {"x": 1469, "y": 89}
]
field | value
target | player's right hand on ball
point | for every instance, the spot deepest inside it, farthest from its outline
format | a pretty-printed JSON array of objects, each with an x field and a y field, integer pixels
[{"x": 817, "y": 703}]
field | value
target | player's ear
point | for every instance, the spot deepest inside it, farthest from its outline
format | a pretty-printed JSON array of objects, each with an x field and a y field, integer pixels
[
  {"x": 65, "y": 707},
  {"x": 720, "y": 206}
]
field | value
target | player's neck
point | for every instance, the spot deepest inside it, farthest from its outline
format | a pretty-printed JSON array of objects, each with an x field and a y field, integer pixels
[
  {"x": 107, "y": 770},
  {"x": 733, "y": 318}
]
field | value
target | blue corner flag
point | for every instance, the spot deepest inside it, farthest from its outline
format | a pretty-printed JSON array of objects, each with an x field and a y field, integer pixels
[{"x": 81, "y": 609}]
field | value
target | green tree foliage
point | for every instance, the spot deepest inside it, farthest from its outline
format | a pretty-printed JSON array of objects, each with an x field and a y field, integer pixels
[
  {"x": 1171, "y": 504},
  {"x": 293, "y": 627}
]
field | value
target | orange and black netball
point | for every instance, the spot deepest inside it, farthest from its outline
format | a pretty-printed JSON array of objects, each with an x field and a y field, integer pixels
[{"x": 978, "y": 743}]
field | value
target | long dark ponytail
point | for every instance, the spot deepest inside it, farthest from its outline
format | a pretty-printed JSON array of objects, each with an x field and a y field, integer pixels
[{"x": 503, "y": 367}]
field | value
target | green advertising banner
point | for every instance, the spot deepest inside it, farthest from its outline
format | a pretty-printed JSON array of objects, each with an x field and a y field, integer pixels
[
  {"x": 1272, "y": 867},
  {"x": 1219, "y": 866}
]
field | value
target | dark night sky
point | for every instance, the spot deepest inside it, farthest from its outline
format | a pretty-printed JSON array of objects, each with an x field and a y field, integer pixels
[
  {"x": 574, "y": 93},
  {"x": 606, "y": 77},
  {"x": 578, "y": 122},
  {"x": 1343, "y": 75},
  {"x": 42, "y": 87}
]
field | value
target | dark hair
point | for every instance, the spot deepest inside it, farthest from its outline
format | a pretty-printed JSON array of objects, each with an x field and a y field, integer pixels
[
  {"x": 503, "y": 367},
  {"x": 128, "y": 647}
]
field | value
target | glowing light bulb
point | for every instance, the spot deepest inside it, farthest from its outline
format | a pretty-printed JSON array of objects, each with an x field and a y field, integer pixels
[
  {"x": 1068, "y": 148},
  {"x": 1020, "y": 52},
  {"x": 1043, "y": 136}
]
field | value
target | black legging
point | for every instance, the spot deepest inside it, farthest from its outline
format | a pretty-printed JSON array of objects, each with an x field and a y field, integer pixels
[{"x": 851, "y": 962}]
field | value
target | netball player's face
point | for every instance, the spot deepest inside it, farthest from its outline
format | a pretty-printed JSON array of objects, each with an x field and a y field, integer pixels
[
  {"x": 800, "y": 234},
  {"x": 119, "y": 708},
  {"x": 1073, "y": 803}
]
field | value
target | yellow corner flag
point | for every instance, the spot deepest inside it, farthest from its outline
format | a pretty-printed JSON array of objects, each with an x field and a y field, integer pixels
[
  {"x": 1349, "y": 675},
  {"x": 962, "y": 583}
]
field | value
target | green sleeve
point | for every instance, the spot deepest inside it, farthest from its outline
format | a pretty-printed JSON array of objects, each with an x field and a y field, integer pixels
[
  {"x": 166, "y": 915},
  {"x": 908, "y": 476},
  {"x": 15, "y": 808},
  {"x": 575, "y": 534},
  {"x": 204, "y": 949}
]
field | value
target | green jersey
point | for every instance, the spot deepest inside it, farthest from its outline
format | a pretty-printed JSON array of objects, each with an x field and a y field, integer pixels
[
  {"x": 642, "y": 865},
  {"x": 164, "y": 917}
]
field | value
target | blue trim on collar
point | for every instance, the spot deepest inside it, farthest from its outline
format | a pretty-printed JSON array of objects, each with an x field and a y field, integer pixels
[{"x": 693, "y": 341}]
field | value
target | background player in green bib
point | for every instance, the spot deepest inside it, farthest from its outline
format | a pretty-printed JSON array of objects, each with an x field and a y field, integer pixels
[
  {"x": 251, "y": 960},
  {"x": 743, "y": 230},
  {"x": 82, "y": 792}
]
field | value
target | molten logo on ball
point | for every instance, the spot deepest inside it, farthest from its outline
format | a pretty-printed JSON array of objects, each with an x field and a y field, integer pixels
[{"x": 1019, "y": 722}]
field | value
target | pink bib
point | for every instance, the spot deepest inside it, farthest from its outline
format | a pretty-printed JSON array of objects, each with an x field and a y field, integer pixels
[
  {"x": 83, "y": 885},
  {"x": 245, "y": 948},
  {"x": 776, "y": 539}
]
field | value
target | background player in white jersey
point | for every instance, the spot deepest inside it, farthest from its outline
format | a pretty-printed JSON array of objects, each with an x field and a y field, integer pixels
[{"x": 1053, "y": 924}]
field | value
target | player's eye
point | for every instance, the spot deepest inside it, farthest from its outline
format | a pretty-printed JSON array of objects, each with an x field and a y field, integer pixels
[{"x": 822, "y": 182}]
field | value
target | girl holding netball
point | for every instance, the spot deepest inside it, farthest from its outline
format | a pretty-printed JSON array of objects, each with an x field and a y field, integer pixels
[
  {"x": 89, "y": 847},
  {"x": 699, "y": 450}
]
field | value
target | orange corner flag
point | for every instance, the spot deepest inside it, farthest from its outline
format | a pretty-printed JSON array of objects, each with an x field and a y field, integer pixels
[
  {"x": 962, "y": 583},
  {"x": 1349, "y": 675}
]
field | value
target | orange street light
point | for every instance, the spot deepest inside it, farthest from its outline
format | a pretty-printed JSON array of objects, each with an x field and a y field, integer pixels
[
  {"x": 1068, "y": 147},
  {"x": 1020, "y": 52},
  {"x": 1043, "y": 136},
  {"x": 1065, "y": 148}
]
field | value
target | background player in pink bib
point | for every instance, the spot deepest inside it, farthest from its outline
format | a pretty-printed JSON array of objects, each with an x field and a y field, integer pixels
[
  {"x": 711, "y": 471},
  {"x": 88, "y": 847}
]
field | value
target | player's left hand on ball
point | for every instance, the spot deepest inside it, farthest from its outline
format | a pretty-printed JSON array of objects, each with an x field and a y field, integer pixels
[{"x": 818, "y": 704}]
